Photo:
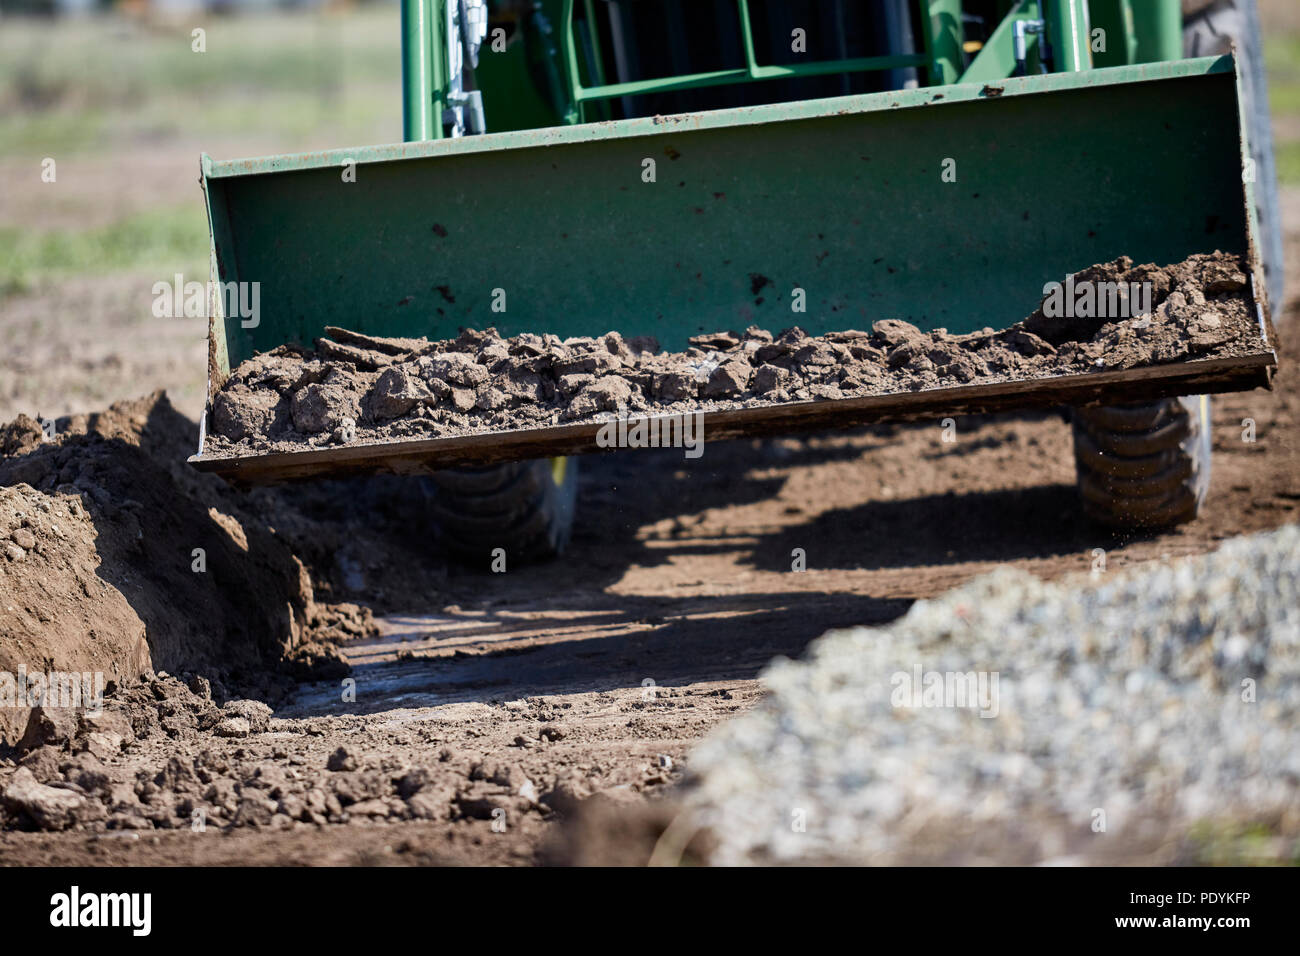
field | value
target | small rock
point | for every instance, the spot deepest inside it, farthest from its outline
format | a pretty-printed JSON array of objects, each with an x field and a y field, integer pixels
[
  {"x": 729, "y": 378},
  {"x": 490, "y": 399},
  {"x": 566, "y": 795},
  {"x": 413, "y": 781},
  {"x": 87, "y": 771},
  {"x": 369, "y": 808},
  {"x": 815, "y": 354},
  {"x": 507, "y": 775},
  {"x": 341, "y": 760},
  {"x": 318, "y": 407},
  {"x": 605, "y": 394},
  {"x": 455, "y": 368},
  {"x": 676, "y": 386},
  {"x": 478, "y": 806},
  {"x": 345, "y": 432},
  {"x": 429, "y": 804},
  {"x": 255, "y": 712},
  {"x": 715, "y": 341},
  {"x": 240, "y": 412},
  {"x": 1027, "y": 343},
  {"x": 102, "y": 745},
  {"x": 397, "y": 390},
  {"x": 49, "y": 725},
  {"x": 255, "y": 810},
  {"x": 43, "y": 762},
  {"x": 571, "y": 385},
  {"x": 495, "y": 351},
  {"x": 895, "y": 331},
  {"x": 49, "y": 808},
  {"x": 904, "y": 354},
  {"x": 769, "y": 377},
  {"x": 110, "y": 722},
  {"x": 463, "y": 399},
  {"x": 233, "y": 727}
]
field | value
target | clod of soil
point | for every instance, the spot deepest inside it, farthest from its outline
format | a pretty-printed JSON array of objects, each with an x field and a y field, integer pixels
[
  {"x": 360, "y": 388},
  {"x": 118, "y": 558}
]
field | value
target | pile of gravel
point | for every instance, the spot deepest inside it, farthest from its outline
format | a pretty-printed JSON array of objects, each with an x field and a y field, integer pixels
[{"x": 1143, "y": 717}]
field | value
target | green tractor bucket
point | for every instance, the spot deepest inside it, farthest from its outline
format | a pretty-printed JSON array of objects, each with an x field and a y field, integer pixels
[{"x": 948, "y": 207}]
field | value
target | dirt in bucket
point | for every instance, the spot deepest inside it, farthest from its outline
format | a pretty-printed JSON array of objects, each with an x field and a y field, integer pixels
[{"x": 358, "y": 388}]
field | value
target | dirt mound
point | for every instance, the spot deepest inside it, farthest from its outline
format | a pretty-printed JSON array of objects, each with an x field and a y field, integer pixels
[
  {"x": 359, "y": 387},
  {"x": 119, "y": 558},
  {"x": 59, "y": 614}
]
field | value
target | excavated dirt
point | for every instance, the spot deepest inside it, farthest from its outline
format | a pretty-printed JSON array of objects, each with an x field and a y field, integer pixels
[
  {"x": 358, "y": 388},
  {"x": 117, "y": 558}
]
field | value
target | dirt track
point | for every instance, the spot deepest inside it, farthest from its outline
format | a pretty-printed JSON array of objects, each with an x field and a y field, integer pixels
[{"x": 679, "y": 573}]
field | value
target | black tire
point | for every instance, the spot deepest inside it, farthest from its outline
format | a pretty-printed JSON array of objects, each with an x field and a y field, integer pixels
[
  {"x": 1144, "y": 465},
  {"x": 1148, "y": 465},
  {"x": 1212, "y": 31},
  {"x": 523, "y": 507}
]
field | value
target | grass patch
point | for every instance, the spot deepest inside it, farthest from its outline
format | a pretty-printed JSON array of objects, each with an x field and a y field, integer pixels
[
  {"x": 1215, "y": 843},
  {"x": 161, "y": 240},
  {"x": 1288, "y": 161},
  {"x": 1282, "y": 61},
  {"x": 102, "y": 82}
]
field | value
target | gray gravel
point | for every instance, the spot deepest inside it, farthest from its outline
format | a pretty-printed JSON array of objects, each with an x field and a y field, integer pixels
[{"x": 1123, "y": 732}]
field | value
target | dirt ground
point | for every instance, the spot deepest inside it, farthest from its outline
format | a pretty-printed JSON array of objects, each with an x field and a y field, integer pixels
[{"x": 568, "y": 695}]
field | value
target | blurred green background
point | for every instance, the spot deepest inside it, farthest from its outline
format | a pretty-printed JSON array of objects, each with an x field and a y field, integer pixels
[{"x": 95, "y": 92}]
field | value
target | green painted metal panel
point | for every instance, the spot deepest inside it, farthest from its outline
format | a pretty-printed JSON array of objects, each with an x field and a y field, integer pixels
[
  {"x": 511, "y": 97},
  {"x": 840, "y": 197},
  {"x": 1158, "y": 25},
  {"x": 1114, "y": 18},
  {"x": 1068, "y": 27},
  {"x": 418, "y": 81},
  {"x": 941, "y": 22}
]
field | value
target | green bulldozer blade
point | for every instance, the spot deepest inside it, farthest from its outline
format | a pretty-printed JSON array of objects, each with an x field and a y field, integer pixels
[{"x": 947, "y": 206}]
